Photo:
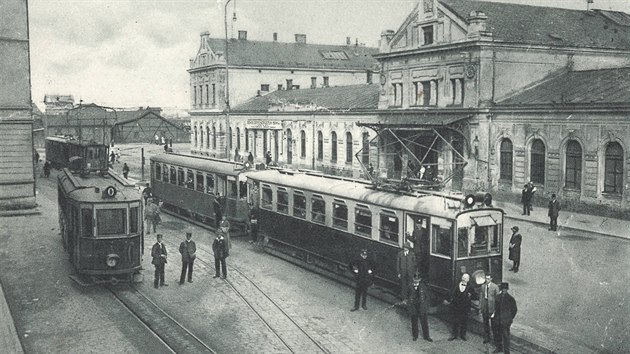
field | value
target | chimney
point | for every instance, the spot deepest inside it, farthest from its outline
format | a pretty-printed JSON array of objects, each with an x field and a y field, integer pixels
[
  {"x": 356, "y": 43},
  {"x": 275, "y": 36},
  {"x": 386, "y": 37},
  {"x": 242, "y": 35},
  {"x": 477, "y": 23},
  {"x": 300, "y": 38},
  {"x": 348, "y": 41}
]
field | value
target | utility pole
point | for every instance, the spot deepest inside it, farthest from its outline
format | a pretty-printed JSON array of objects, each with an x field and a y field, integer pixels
[
  {"x": 227, "y": 83},
  {"x": 142, "y": 165}
]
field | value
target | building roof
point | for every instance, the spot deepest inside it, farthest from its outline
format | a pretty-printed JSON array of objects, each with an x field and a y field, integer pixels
[
  {"x": 244, "y": 52},
  {"x": 140, "y": 114},
  {"x": 352, "y": 97},
  {"x": 549, "y": 25},
  {"x": 603, "y": 86}
]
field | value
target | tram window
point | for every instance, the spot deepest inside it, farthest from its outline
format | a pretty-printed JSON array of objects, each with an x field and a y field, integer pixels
[
  {"x": 173, "y": 175},
  {"x": 165, "y": 174},
  {"x": 111, "y": 221},
  {"x": 158, "y": 171},
  {"x": 267, "y": 197},
  {"x": 495, "y": 241},
  {"x": 389, "y": 227},
  {"x": 133, "y": 220},
  {"x": 232, "y": 192},
  {"x": 190, "y": 182},
  {"x": 90, "y": 154},
  {"x": 200, "y": 182},
  {"x": 299, "y": 205},
  {"x": 318, "y": 209},
  {"x": 462, "y": 242},
  {"x": 363, "y": 221},
  {"x": 88, "y": 226},
  {"x": 283, "y": 201},
  {"x": 242, "y": 190},
  {"x": 221, "y": 185},
  {"x": 209, "y": 183},
  {"x": 340, "y": 214},
  {"x": 441, "y": 237},
  {"x": 180, "y": 176}
]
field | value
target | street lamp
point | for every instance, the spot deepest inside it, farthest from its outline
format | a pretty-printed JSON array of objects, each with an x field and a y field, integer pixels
[{"x": 227, "y": 81}]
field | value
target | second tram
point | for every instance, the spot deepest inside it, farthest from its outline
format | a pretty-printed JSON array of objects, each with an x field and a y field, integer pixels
[{"x": 68, "y": 152}]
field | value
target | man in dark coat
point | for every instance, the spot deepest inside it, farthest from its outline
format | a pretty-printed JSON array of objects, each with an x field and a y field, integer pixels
[
  {"x": 220, "y": 250},
  {"x": 460, "y": 306},
  {"x": 158, "y": 253},
  {"x": 554, "y": 210},
  {"x": 406, "y": 267},
  {"x": 363, "y": 271},
  {"x": 125, "y": 170},
  {"x": 526, "y": 199},
  {"x": 419, "y": 307},
  {"x": 188, "y": 250},
  {"x": 487, "y": 297},
  {"x": 218, "y": 212},
  {"x": 515, "y": 249},
  {"x": 420, "y": 240},
  {"x": 47, "y": 169},
  {"x": 253, "y": 224},
  {"x": 504, "y": 312}
]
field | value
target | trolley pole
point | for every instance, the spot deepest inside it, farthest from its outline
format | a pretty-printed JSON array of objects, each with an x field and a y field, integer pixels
[
  {"x": 227, "y": 84},
  {"x": 142, "y": 165}
]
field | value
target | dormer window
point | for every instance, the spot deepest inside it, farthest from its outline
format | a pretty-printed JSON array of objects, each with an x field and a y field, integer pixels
[{"x": 427, "y": 34}]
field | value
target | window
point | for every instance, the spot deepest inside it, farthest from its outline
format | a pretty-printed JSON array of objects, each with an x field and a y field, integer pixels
[
  {"x": 87, "y": 225},
  {"x": 190, "y": 180},
  {"x": 289, "y": 84},
  {"x": 426, "y": 93},
  {"x": 165, "y": 174},
  {"x": 232, "y": 188},
  {"x": 303, "y": 144},
  {"x": 158, "y": 171},
  {"x": 133, "y": 219},
  {"x": 279, "y": 87},
  {"x": 363, "y": 221},
  {"x": 214, "y": 95},
  {"x": 238, "y": 138},
  {"x": 246, "y": 139},
  {"x": 289, "y": 146},
  {"x": 318, "y": 209},
  {"x": 613, "y": 169},
  {"x": 209, "y": 183},
  {"x": 180, "y": 176},
  {"x": 242, "y": 190},
  {"x": 267, "y": 197},
  {"x": 506, "y": 160},
  {"x": 264, "y": 87},
  {"x": 427, "y": 34},
  {"x": 230, "y": 138},
  {"x": 196, "y": 136},
  {"x": 207, "y": 138},
  {"x": 111, "y": 221},
  {"x": 348, "y": 147},
  {"x": 441, "y": 237},
  {"x": 573, "y": 169},
  {"x": 313, "y": 82},
  {"x": 369, "y": 77},
  {"x": 365, "y": 151},
  {"x": 333, "y": 147},
  {"x": 283, "y": 201},
  {"x": 200, "y": 187},
  {"x": 397, "y": 94},
  {"x": 457, "y": 91},
  {"x": 295, "y": 87},
  {"x": 389, "y": 227},
  {"x": 537, "y": 163},
  {"x": 214, "y": 138},
  {"x": 299, "y": 205},
  {"x": 207, "y": 95},
  {"x": 173, "y": 175},
  {"x": 320, "y": 146},
  {"x": 340, "y": 214},
  {"x": 326, "y": 81}
]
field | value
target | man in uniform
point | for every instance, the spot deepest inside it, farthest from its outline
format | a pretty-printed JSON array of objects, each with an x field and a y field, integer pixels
[
  {"x": 489, "y": 291},
  {"x": 406, "y": 266},
  {"x": 504, "y": 312},
  {"x": 221, "y": 252},
  {"x": 158, "y": 253},
  {"x": 363, "y": 271},
  {"x": 515, "y": 249},
  {"x": 188, "y": 250},
  {"x": 554, "y": 210},
  {"x": 419, "y": 307}
]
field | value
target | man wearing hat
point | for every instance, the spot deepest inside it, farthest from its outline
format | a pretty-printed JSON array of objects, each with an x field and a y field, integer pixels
[
  {"x": 188, "y": 250},
  {"x": 363, "y": 271},
  {"x": 515, "y": 249},
  {"x": 419, "y": 307},
  {"x": 489, "y": 291},
  {"x": 504, "y": 312},
  {"x": 406, "y": 266},
  {"x": 461, "y": 297},
  {"x": 554, "y": 210},
  {"x": 159, "y": 254}
]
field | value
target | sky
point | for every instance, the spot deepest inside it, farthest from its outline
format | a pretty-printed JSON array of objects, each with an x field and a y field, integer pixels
[{"x": 127, "y": 53}]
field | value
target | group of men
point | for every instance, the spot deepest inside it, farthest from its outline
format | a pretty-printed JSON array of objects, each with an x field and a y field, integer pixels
[{"x": 553, "y": 207}]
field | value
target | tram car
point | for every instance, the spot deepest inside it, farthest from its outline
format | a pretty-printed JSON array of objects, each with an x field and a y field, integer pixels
[
  {"x": 323, "y": 222},
  {"x": 100, "y": 218},
  {"x": 192, "y": 187},
  {"x": 78, "y": 156}
]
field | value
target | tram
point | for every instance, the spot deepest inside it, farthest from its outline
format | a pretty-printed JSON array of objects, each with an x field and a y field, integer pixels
[
  {"x": 324, "y": 222},
  {"x": 69, "y": 152},
  {"x": 100, "y": 218},
  {"x": 192, "y": 187}
]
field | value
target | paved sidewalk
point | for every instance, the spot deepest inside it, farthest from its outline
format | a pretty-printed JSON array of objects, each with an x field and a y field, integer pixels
[{"x": 9, "y": 340}]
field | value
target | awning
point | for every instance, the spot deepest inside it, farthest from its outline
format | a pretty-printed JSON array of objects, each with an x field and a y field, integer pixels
[
  {"x": 414, "y": 120},
  {"x": 485, "y": 220}
]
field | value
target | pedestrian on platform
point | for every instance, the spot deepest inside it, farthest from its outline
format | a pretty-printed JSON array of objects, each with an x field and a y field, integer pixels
[
  {"x": 125, "y": 170},
  {"x": 407, "y": 268},
  {"x": 504, "y": 312},
  {"x": 419, "y": 307},
  {"x": 225, "y": 228},
  {"x": 515, "y": 249},
  {"x": 47, "y": 169},
  {"x": 461, "y": 297},
  {"x": 532, "y": 191},
  {"x": 218, "y": 212},
  {"x": 165, "y": 147},
  {"x": 152, "y": 215},
  {"x": 554, "y": 210},
  {"x": 268, "y": 158},
  {"x": 221, "y": 252},
  {"x": 253, "y": 224},
  {"x": 420, "y": 239},
  {"x": 188, "y": 250},
  {"x": 250, "y": 159},
  {"x": 526, "y": 199},
  {"x": 112, "y": 158},
  {"x": 147, "y": 193},
  {"x": 237, "y": 155},
  {"x": 489, "y": 291},
  {"x": 159, "y": 254},
  {"x": 363, "y": 271}
]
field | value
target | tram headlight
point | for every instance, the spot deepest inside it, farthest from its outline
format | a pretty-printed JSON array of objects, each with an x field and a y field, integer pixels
[
  {"x": 112, "y": 260},
  {"x": 479, "y": 276}
]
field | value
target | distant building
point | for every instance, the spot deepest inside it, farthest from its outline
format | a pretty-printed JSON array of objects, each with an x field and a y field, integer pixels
[
  {"x": 146, "y": 127},
  {"x": 58, "y": 104},
  {"x": 39, "y": 130}
]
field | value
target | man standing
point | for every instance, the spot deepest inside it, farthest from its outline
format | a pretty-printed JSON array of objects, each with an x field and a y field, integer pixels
[
  {"x": 188, "y": 250},
  {"x": 158, "y": 252},
  {"x": 406, "y": 266},
  {"x": 489, "y": 291},
  {"x": 419, "y": 307},
  {"x": 526, "y": 199},
  {"x": 218, "y": 213},
  {"x": 460, "y": 306},
  {"x": 225, "y": 229},
  {"x": 504, "y": 312},
  {"x": 253, "y": 224},
  {"x": 515, "y": 249},
  {"x": 125, "y": 170},
  {"x": 151, "y": 215},
  {"x": 363, "y": 271},
  {"x": 554, "y": 210},
  {"x": 420, "y": 240},
  {"x": 220, "y": 250}
]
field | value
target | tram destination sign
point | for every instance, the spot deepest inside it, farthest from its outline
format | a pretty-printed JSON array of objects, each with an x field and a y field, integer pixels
[{"x": 264, "y": 124}]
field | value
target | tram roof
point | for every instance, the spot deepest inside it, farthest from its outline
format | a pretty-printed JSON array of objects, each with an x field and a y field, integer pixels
[
  {"x": 425, "y": 203},
  {"x": 84, "y": 189},
  {"x": 200, "y": 163},
  {"x": 73, "y": 141}
]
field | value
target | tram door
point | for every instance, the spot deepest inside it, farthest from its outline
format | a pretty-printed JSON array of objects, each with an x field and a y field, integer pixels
[{"x": 417, "y": 233}]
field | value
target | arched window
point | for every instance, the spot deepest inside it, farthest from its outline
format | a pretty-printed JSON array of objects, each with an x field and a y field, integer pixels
[
  {"x": 238, "y": 138},
  {"x": 289, "y": 147},
  {"x": 348, "y": 147},
  {"x": 196, "y": 135},
  {"x": 333, "y": 147},
  {"x": 303, "y": 144},
  {"x": 506, "y": 160},
  {"x": 320, "y": 146},
  {"x": 207, "y": 137},
  {"x": 365, "y": 151},
  {"x": 230, "y": 138},
  {"x": 537, "y": 162},
  {"x": 613, "y": 168},
  {"x": 573, "y": 169},
  {"x": 214, "y": 138}
]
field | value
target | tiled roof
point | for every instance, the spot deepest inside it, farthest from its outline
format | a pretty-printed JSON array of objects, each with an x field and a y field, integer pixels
[
  {"x": 603, "y": 86},
  {"x": 298, "y": 55},
  {"x": 353, "y": 97},
  {"x": 549, "y": 25}
]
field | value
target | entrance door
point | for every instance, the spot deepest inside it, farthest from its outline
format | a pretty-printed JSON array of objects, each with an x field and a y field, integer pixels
[
  {"x": 417, "y": 234},
  {"x": 275, "y": 145}
]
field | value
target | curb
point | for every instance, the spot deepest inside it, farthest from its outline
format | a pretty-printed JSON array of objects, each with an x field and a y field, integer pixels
[
  {"x": 9, "y": 339},
  {"x": 20, "y": 212},
  {"x": 567, "y": 227}
]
